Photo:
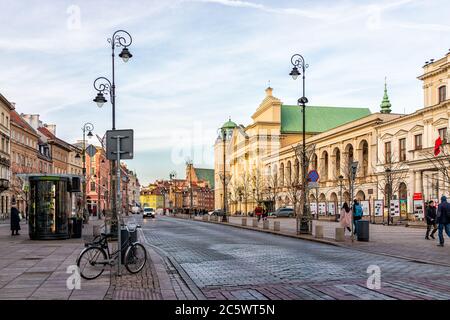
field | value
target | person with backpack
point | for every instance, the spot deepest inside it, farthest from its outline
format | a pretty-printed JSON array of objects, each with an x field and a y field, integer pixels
[
  {"x": 443, "y": 219},
  {"x": 357, "y": 215}
]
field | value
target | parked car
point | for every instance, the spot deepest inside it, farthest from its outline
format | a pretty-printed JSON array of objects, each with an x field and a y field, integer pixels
[
  {"x": 148, "y": 213},
  {"x": 218, "y": 212},
  {"x": 135, "y": 210},
  {"x": 283, "y": 212}
]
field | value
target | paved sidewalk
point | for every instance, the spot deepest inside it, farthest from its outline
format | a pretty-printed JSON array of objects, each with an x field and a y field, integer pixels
[
  {"x": 38, "y": 269},
  {"x": 397, "y": 241}
]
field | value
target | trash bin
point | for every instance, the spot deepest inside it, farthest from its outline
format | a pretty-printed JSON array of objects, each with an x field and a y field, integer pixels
[
  {"x": 76, "y": 228},
  {"x": 124, "y": 235},
  {"x": 362, "y": 230}
]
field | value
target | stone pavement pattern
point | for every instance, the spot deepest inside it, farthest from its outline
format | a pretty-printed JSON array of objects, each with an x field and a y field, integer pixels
[
  {"x": 398, "y": 241},
  {"x": 232, "y": 263}
]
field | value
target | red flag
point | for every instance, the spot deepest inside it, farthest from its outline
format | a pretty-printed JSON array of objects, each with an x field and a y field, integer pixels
[{"x": 437, "y": 146}]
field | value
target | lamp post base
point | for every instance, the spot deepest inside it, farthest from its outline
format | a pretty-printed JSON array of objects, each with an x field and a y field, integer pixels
[{"x": 224, "y": 218}]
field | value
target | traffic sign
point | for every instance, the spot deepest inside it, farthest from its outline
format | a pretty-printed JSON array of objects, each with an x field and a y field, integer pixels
[
  {"x": 313, "y": 176},
  {"x": 125, "y": 138},
  {"x": 91, "y": 150}
]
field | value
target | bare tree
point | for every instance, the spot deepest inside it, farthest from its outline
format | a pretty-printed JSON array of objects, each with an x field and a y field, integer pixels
[
  {"x": 245, "y": 184},
  {"x": 441, "y": 163},
  {"x": 389, "y": 180},
  {"x": 258, "y": 182},
  {"x": 270, "y": 188}
]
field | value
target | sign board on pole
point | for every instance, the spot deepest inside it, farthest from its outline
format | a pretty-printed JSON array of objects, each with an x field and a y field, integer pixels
[
  {"x": 332, "y": 208},
  {"x": 378, "y": 206},
  {"x": 313, "y": 207},
  {"x": 395, "y": 208},
  {"x": 322, "y": 208},
  {"x": 91, "y": 150},
  {"x": 126, "y": 144},
  {"x": 418, "y": 209},
  {"x": 365, "y": 207},
  {"x": 417, "y": 196},
  {"x": 312, "y": 185}
]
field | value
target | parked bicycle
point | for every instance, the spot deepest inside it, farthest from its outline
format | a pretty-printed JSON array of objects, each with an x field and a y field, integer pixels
[{"x": 96, "y": 256}]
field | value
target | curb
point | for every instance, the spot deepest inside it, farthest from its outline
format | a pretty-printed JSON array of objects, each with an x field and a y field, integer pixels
[{"x": 323, "y": 241}]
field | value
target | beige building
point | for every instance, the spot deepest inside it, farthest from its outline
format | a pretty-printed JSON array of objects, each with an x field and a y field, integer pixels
[
  {"x": 262, "y": 165},
  {"x": 257, "y": 155},
  {"x": 5, "y": 161}
]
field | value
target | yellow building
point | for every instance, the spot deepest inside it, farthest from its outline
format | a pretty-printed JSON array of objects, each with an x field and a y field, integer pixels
[{"x": 151, "y": 197}]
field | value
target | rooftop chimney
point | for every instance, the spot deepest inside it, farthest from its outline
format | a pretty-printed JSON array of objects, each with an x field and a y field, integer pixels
[
  {"x": 32, "y": 119},
  {"x": 51, "y": 128}
]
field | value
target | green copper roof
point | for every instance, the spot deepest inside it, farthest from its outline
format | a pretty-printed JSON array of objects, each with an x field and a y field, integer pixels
[
  {"x": 229, "y": 125},
  {"x": 206, "y": 175},
  {"x": 385, "y": 104},
  {"x": 318, "y": 119}
]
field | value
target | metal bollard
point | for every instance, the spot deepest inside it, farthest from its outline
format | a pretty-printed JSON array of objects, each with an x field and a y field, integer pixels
[
  {"x": 319, "y": 232},
  {"x": 244, "y": 222},
  {"x": 340, "y": 234},
  {"x": 266, "y": 224},
  {"x": 276, "y": 226},
  {"x": 255, "y": 223}
]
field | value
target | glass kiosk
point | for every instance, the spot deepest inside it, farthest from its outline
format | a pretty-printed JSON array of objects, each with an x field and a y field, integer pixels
[{"x": 49, "y": 208}]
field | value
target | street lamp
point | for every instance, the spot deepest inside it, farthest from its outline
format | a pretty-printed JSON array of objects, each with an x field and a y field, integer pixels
[
  {"x": 389, "y": 191},
  {"x": 298, "y": 61},
  {"x": 225, "y": 132},
  {"x": 341, "y": 181},
  {"x": 103, "y": 86},
  {"x": 86, "y": 127}
]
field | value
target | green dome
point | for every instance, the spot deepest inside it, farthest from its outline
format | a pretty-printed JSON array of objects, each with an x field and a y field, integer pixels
[{"x": 229, "y": 125}]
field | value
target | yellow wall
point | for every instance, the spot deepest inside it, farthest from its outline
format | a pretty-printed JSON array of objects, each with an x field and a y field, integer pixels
[{"x": 153, "y": 201}]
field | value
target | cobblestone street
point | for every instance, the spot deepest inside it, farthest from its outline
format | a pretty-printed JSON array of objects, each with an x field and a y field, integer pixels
[{"x": 231, "y": 263}]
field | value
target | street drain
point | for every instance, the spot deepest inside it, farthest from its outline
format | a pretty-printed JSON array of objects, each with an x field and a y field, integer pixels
[{"x": 32, "y": 258}]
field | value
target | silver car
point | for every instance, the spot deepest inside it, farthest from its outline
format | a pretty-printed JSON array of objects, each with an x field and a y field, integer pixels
[{"x": 283, "y": 212}]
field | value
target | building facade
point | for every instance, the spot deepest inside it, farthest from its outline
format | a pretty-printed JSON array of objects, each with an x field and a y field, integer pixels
[
  {"x": 24, "y": 157},
  {"x": 5, "y": 160}
]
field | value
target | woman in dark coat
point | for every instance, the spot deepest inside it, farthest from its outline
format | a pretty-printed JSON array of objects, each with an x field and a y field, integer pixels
[{"x": 15, "y": 220}]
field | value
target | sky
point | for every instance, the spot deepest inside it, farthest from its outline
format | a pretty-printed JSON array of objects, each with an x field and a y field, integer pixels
[{"x": 196, "y": 63}]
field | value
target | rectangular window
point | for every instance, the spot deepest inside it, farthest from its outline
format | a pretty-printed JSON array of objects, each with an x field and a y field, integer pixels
[
  {"x": 442, "y": 93},
  {"x": 387, "y": 152},
  {"x": 402, "y": 149},
  {"x": 418, "y": 142},
  {"x": 93, "y": 186},
  {"x": 443, "y": 134}
]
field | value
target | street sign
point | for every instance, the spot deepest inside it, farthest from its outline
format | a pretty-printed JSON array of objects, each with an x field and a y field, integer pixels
[
  {"x": 417, "y": 196},
  {"x": 91, "y": 150},
  {"x": 313, "y": 176},
  {"x": 126, "y": 144}
]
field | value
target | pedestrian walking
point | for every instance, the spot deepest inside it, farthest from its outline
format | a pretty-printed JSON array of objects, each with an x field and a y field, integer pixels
[
  {"x": 258, "y": 212},
  {"x": 357, "y": 215},
  {"x": 346, "y": 217},
  {"x": 443, "y": 219},
  {"x": 264, "y": 214},
  {"x": 15, "y": 220},
  {"x": 431, "y": 220}
]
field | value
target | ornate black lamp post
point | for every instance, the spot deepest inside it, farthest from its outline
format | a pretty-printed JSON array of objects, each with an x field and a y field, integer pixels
[
  {"x": 225, "y": 133},
  {"x": 87, "y": 127},
  {"x": 104, "y": 86},
  {"x": 297, "y": 60}
]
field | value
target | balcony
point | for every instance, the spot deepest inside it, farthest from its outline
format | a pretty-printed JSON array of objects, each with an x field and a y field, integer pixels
[{"x": 4, "y": 185}]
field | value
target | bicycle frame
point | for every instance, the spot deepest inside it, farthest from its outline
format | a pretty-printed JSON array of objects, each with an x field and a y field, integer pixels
[{"x": 111, "y": 257}]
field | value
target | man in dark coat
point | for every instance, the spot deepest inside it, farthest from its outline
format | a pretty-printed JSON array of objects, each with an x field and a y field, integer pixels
[
  {"x": 15, "y": 220},
  {"x": 431, "y": 220},
  {"x": 443, "y": 219}
]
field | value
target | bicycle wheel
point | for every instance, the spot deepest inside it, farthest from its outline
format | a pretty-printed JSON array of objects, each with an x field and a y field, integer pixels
[
  {"x": 135, "y": 258},
  {"x": 91, "y": 262}
]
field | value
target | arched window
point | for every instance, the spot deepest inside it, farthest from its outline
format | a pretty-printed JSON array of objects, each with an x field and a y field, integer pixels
[
  {"x": 365, "y": 158},
  {"x": 337, "y": 155},
  {"x": 282, "y": 174},
  {"x": 442, "y": 93},
  {"x": 296, "y": 170},
  {"x": 314, "y": 162},
  {"x": 275, "y": 176}
]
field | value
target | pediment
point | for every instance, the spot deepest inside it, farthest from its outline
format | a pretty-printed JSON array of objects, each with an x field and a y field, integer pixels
[
  {"x": 386, "y": 136},
  {"x": 401, "y": 132},
  {"x": 440, "y": 122},
  {"x": 417, "y": 128}
]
